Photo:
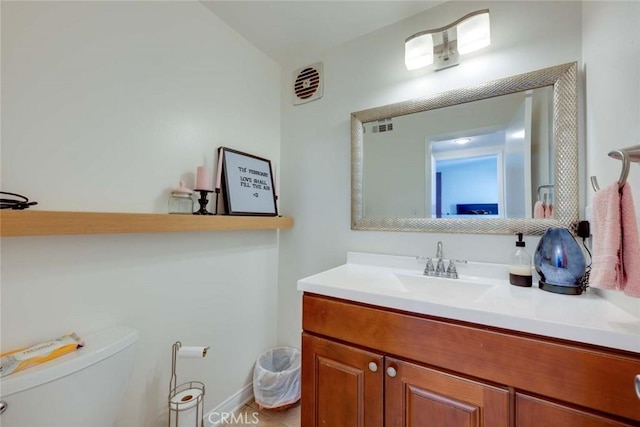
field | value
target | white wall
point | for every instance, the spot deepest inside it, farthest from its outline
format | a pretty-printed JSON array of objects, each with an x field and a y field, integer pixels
[
  {"x": 612, "y": 78},
  {"x": 105, "y": 106},
  {"x": 369, "y": 72},
  {"x": 611, "y": 53}
]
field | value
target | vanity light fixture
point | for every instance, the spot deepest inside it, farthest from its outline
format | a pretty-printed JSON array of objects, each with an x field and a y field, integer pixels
[{"x": 443, "y": 46}]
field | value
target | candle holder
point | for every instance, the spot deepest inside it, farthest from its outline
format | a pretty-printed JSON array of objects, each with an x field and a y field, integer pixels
[
  {"x": 203, "y": 200},
  {"x": 217, "y": 191}
]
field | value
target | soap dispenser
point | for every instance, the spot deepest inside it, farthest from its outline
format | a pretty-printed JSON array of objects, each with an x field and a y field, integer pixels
[{"x": 520, "y": 267}]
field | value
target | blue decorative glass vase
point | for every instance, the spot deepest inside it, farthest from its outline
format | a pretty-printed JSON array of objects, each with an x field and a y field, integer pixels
[{"x": 560, "y": 262}]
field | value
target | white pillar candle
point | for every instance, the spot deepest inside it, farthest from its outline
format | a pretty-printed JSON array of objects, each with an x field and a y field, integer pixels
[{"x": 203, "y": 178}]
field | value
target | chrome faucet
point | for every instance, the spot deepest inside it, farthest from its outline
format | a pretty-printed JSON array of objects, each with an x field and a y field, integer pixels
[
  {"x": 439, "y": 270},
  {"x": 452, "y": 273},
  {"x": 429, "y": 269}
]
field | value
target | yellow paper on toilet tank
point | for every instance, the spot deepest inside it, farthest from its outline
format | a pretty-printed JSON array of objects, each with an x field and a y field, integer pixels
[{"x": 19, "y": 360}]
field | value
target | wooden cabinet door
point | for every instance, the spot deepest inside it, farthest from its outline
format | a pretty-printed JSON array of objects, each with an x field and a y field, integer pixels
[
  {"x": 416, "y": 396},
  {"x": 534, "y": 412},
  {"x": 342, "y": 386}
]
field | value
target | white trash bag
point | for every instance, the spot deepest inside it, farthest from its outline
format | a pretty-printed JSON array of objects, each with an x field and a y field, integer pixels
[{"x": 276, "y": 377}]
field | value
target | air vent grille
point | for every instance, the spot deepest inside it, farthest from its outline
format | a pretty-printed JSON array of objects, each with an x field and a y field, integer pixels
[
  {"x": 307, "y": 84},
  {"x": 385, "y": 125}
]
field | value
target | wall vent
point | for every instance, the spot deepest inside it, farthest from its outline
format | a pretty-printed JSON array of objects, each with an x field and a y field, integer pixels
[
  {"x": 307, "y": 84},
  {"x": 385, "y": 125}
]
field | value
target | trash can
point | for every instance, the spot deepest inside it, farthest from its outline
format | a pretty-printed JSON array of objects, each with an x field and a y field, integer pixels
[{"x": 276, "y": 378}]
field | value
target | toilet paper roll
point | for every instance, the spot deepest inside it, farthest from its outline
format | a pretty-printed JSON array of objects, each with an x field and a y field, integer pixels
[
  {"x": 192, "y": 352},
  {"x": 183, "y": 408}
]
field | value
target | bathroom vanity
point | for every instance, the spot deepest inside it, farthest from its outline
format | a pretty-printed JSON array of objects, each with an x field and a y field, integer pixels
[{"x": 385, "y": 346}]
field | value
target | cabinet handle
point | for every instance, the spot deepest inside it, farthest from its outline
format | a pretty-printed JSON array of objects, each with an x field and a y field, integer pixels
[
  {"x": 373, "y": 366},
  {"x": 391, "y": 371},
  {"x": 637, "y": 383}
]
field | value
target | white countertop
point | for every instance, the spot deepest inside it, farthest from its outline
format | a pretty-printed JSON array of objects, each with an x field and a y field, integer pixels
[{"x": 486, "y": 299}]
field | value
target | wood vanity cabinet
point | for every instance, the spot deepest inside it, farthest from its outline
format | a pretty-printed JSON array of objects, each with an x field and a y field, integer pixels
[
  {"x": 419, "y": 396},
  {"x": 534, "y": 412},
  {"x": 367, "y": 366},
  {"x": 342, "y": 385}
]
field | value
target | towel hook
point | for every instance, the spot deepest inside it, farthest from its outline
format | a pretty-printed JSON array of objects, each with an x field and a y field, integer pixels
[
  {"x": 624, "y": 173},
  {"x": 626, "y": 165}
]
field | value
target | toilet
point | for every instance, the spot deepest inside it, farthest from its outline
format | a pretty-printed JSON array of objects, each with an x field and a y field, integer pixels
[{"x": 81, "y": 389}]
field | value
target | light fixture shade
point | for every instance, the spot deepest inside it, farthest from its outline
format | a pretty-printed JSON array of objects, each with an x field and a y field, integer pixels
[
  {"x": 474, "y": 33},
  {"x": 418, "y": 52}
]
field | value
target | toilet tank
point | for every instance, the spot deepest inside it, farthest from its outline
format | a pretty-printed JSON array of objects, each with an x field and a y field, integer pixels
[{"x": 81, "y": 389}]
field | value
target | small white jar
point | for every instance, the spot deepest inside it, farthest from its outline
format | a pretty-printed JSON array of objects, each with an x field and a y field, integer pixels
[{"x": 180, "y": 201}]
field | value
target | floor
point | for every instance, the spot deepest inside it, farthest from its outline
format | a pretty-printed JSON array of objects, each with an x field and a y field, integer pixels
[{"x": 251, "y": 414}]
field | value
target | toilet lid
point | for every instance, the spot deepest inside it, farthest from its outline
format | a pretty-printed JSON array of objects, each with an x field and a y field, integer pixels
[{"x": 98, "y": 346}]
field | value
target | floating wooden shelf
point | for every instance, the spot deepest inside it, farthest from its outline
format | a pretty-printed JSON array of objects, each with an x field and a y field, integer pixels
[{"x": 50, "y": 223}]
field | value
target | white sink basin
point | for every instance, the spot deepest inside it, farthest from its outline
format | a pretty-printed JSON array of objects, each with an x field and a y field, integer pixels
[
  {"x": 481, "y": 295},
  {"x": 442, "y": 288}
]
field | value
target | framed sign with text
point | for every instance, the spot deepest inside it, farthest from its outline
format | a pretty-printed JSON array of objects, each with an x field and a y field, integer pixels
[{"x": 247, "y": 184}]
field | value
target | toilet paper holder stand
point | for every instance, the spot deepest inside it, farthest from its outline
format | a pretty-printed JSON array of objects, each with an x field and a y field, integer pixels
[{"x": 186, "y": 398}]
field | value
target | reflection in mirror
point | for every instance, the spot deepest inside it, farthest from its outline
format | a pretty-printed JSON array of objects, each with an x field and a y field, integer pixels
[
  {"x": 454, "y": 162},
  {"x": 473, "y": 160}
]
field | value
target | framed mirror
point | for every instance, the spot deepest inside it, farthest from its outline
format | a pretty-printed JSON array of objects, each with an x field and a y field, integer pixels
[{"x": 472, "y": 160}]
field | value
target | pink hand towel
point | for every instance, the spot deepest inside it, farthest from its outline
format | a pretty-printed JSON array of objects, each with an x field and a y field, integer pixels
[
  {"x": 538, "y": 210},
  {"x": 548, "y": 213},
  {"x": 630, "y": 244},
  {"x": 606, "y": 267}
]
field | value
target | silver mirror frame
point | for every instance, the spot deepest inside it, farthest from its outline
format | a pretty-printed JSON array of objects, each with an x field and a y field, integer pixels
[{"x": 565, "y": 129}]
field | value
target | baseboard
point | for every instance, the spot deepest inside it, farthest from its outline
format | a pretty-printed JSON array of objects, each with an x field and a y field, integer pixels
[{"x": 231, "y": 405}]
